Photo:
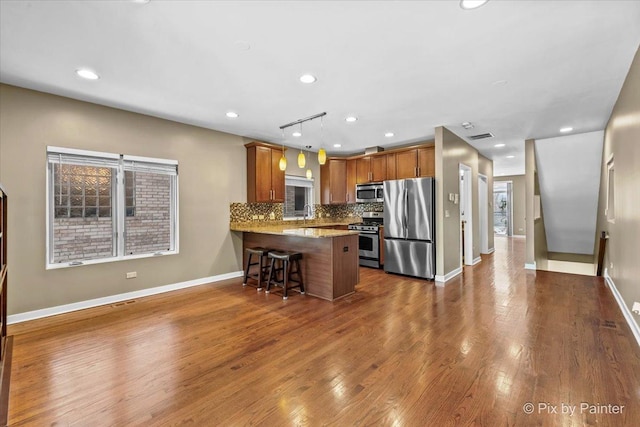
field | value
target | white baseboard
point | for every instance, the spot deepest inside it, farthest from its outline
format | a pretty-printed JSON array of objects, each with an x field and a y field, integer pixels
[
  {"x": 530, "y": 266},
  {"x": 490, "y": 251},
  {"x": 623, "y": 307},
  {"x": 440, "y": 280},
  {"x": 476, "y": 261},
  {"x": 519, "y": 236},
  {"x": 66, "y": 308}
]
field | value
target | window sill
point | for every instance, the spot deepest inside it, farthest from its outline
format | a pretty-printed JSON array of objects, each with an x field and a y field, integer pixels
[{"x": 105, "y": 260}]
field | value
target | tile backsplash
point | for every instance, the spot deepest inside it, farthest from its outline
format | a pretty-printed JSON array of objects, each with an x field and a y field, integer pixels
[{"x": 245, "y": 212}]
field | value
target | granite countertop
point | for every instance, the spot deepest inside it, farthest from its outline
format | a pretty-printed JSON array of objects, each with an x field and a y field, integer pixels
[{"x": 294, "y": 228}]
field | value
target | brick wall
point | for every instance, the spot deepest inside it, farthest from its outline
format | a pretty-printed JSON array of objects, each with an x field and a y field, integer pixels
[
  {"x": 147, "y": 231},
  {"x": 150, "y": 229},
  {"x": 82, "y": 238}
]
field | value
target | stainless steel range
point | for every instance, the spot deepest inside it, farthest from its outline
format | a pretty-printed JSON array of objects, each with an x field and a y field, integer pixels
[{"x": 369, "y": 239}]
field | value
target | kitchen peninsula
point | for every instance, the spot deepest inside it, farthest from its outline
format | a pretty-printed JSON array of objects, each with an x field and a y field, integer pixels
[{"x": 330, "y": 256}]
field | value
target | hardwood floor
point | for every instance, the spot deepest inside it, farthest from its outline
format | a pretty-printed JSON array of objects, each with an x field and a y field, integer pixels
[{"x": 399, "y": 352}]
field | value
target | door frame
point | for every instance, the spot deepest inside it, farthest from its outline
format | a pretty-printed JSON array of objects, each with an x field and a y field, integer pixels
[
  {"x": 483, "y": 212},
  {"x": 466, "y": 214}
]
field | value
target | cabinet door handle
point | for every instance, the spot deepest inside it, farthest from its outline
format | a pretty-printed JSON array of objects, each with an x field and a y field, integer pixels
[
  {"x": 419, "y": 171},
  {"x": 330, "y": 197},
  {"x": 415, "y": 170},
  {"x": 274, "y": 194},
  {"x": 370, "y": 176}
]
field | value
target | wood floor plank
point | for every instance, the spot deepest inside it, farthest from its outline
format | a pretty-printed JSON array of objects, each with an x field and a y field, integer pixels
[{"x": 400, "y": 351}]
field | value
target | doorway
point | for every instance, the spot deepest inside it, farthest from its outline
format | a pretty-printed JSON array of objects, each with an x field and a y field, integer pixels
[
  {"x": 466, "y": 216},
  {"x": 483, "y": 213},
  {"x": 502, "y": 208}
]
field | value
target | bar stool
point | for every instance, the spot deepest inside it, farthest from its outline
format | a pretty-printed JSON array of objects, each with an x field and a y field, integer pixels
[
  {"x": 287, "y": 261},
  {"x": 263, "y": 267}
]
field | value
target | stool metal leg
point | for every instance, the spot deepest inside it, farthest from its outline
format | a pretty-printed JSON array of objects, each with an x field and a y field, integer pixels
[
  {"x": 299, "y": 273},
  {"x": 271, "y": 271},
  {"x": 246, "y": 270},
  {"x": 286, "y": 272}
]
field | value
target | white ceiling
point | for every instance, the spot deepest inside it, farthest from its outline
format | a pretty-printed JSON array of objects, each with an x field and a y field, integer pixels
[{"x": 400, "y": 66}]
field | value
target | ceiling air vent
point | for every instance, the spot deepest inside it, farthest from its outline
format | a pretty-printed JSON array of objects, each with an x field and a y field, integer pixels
[{"x": 481, "y": 136}]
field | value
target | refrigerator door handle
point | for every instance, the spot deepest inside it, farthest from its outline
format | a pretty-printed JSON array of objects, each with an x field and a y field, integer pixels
[{"x": 405, "y": 233}]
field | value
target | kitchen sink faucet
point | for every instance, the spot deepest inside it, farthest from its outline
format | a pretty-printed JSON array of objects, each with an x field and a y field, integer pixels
[{"x": 304, "y": 210}]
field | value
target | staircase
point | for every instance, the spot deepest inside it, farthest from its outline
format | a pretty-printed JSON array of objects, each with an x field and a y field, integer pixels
[{"x": 568, "y": 169}]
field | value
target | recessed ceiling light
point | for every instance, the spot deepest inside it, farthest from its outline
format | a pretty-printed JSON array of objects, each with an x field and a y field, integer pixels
[
  {"x": 351, "y": 119},
  {"x": 472, "y": 4},
  {"x": 467, "y": 125},
  {"x": 232, "y": 114},
  {"x": 296, "y": 133},
  {"x": 510, "y": 157},
  {"x": 500, "y": 82},
  {"x": 567, "y": 129},
  {"x": 389, "y": 134},
  {"x": 499, "y": 145},
  {"x": 337, "y": 145},
  {"x": 307, "y": 78},
  {"x": 140, "y": 1},
  {"x": 85, "y": 73}
]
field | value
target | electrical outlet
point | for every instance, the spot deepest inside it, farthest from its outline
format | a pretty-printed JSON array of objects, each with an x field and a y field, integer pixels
[
  {"x": 611, "y": 265},
  {"x": 132, "y": 275},
  {"x": 328, "y": 215},
  {"x": 260, "y": 216},
  {"x": 636, "y": 307},
  {"x": 254, "y": 217},
  {"x": 446, "y": 214},
  {"x": 272, "y": 216}
]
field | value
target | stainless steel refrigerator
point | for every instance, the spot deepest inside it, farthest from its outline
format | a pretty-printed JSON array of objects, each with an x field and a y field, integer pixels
[{"x": 409, "y": 246}]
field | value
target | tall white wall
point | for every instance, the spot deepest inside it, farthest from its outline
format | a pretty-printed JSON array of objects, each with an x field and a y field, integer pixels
[{"x": 569, "y": 175}]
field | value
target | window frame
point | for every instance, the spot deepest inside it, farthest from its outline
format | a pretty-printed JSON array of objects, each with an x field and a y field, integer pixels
[
  {"x": 309, "y": 184},
  {"x": 119, "y": 208}
]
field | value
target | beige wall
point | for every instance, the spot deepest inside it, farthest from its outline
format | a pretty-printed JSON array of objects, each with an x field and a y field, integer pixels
[
  {"x": 518, "y": 194},
  {"x": 451, "y": 151},
  {"x": 212, "y": 173},
  {"x": 622, "y": 140}
]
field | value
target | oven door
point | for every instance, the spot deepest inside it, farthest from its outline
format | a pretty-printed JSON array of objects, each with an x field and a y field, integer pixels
[{"x": 369, "y": 245}]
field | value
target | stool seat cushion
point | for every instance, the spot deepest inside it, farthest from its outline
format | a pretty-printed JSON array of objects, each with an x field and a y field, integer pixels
[
  {"x": 290, "y": 256},
  {"x": 257, "y": 251}
]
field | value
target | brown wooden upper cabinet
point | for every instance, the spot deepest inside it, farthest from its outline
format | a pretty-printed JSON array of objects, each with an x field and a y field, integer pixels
[
  {"x": 265, "y": 180},
  {"x": 391, "y": 165},
  {"x": 351, "y": 180},
  {"x": 371, "y": 169},
  {"x": 427, "y": 161},
  {"x": 416, "y": 162},
  {"x": 333, "y": 182}
]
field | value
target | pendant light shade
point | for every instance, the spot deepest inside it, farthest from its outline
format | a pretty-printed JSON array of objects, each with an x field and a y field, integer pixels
[
  {"x": 301, "y": 160},
  {"x": 283, "y": 163},
  {"x": 322, "y": 156},
  {"x": 309, "y": 174}
]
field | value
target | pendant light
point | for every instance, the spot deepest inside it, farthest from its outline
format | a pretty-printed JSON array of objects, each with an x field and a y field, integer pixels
[
  {"x": 322, "y": 154},
  {"x": 309, "y": 173},
  {"x": 283, "y": 160},
  {"x": 301, "y": 160}
]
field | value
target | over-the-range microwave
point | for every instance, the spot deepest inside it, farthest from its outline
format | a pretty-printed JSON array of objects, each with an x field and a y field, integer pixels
[{"x": 371, "y": 192}]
